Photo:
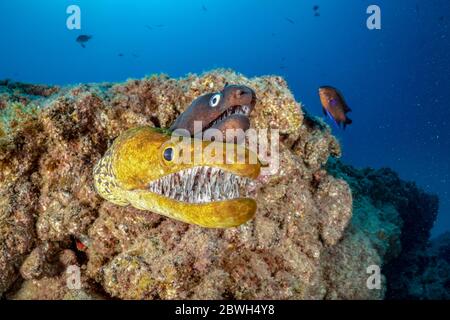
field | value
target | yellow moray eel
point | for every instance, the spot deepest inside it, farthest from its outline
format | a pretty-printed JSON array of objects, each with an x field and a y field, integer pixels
[{"x": 142, "y": 168}]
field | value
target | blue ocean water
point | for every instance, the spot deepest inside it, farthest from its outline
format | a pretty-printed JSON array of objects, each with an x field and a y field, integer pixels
[{"x": 395, "y": 79}]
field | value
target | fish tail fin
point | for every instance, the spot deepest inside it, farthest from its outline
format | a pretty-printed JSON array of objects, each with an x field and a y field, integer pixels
[
  {"x": 347, "y": 122},
  {"x": 83, "y": 45}
]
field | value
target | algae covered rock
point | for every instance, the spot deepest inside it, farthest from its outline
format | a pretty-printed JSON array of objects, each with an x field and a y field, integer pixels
[{"x": 316, "y": 229}]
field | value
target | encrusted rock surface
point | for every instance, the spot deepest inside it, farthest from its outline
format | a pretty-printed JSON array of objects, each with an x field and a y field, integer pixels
[{"x": 311, "y": 238}]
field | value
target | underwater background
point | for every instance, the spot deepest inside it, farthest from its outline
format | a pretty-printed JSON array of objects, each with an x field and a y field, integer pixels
[{"x": 395, "y": 79}]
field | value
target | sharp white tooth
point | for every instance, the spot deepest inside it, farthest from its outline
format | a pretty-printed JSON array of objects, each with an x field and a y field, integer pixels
[
  {"x": 226, "y": 187},
  {"x": 190, "y": 179},
  {"x": 190, "y": 182},
  {"x": 208, "y": 192},
  {"x": 213, "y": 177},
  {"x": 196, "y": 195},
  {"x": 168, "y": 185},
  {"x": 184, "y": 180}
]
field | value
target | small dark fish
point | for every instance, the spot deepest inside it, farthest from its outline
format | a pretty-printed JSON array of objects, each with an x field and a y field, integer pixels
[
  {"x": 152, "y": 27},
  {"x": 83, "y": 39},
  {"x": 290, "y": 20},
  {"x": 316, "y": 11},
  {"x": 334, "y": 106},
  {"x": 204, "y": 8},
  {"x": 120, "y": 54},
  {"x": 441, "y": 18}
]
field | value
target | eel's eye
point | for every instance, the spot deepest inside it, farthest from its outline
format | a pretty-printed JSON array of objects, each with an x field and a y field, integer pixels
[
  {"x": 215, "y": 99},
  {"x": 168, "y": 154}
]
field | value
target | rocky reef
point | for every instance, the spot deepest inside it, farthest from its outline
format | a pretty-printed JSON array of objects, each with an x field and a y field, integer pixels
[{"x": 318, "y": 226}]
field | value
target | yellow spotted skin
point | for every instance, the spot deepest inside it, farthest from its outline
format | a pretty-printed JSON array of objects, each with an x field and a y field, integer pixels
[
  {"x": 105, "y": 182},
  {"x": 136, "y": 158}
]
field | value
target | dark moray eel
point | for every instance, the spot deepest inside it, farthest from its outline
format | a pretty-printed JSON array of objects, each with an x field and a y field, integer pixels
[{"x": 227, "y": 109}]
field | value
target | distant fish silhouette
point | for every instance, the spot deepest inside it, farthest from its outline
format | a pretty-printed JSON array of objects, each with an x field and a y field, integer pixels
[
  {"x": 334, "y": 106},
  {"x": 290, "y": 20},
  {"x": 316, "y": 11},
  {"x": 120, "y": 54},
  {"x": 151, "y": 27},
  {"x": 204, "y": 8},
  {"x": 83, "y": 39}
]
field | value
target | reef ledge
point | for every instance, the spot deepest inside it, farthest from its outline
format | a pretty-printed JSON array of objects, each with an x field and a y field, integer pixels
[{"x": 318, "y": 227}]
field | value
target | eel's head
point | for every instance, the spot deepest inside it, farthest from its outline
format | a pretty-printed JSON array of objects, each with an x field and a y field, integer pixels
[
  {"x": 181, "y": 178},
  {"x": 227, "y": 109}
]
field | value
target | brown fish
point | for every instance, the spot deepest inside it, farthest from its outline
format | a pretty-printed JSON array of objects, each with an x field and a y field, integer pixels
[
  {"x": 227, "y": 109},
  {"x": 334, "y": 106}
]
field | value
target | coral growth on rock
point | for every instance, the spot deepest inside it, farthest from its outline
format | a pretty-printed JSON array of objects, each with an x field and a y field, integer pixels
[{"x": 316, "y": 230}]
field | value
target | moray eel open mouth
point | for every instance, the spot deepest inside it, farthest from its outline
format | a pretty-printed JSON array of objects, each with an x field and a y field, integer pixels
[
  {"x": 213, "y": 189},
  {"x": 239, "y": 110},
  {"x": 203, "y": 184}
]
